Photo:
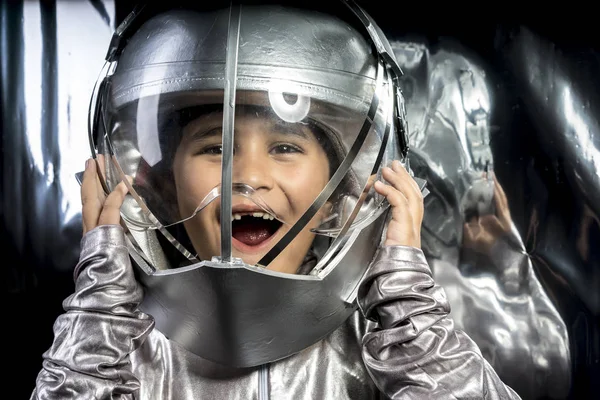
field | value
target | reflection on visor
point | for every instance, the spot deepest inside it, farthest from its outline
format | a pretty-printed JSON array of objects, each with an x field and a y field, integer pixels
[
  {"x": 239, "y": 189},
  {"x": 287, "y": 103}
]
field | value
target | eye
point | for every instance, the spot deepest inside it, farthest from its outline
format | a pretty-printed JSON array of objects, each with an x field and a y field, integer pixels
[
  {"x": 213, "y": 150},
  {"x": 285, "y": 148}
]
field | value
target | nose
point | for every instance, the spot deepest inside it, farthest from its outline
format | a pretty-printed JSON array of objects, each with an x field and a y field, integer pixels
[{"x": 251, "y": 168}]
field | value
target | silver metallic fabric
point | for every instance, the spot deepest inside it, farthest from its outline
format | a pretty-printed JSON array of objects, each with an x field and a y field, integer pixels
[
  {"x": 105, "y": 348},
  {"x": 415, "y": 352}
]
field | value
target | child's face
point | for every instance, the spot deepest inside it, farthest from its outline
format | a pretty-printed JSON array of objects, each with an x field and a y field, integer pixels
[{"x": 283, "y": 162}]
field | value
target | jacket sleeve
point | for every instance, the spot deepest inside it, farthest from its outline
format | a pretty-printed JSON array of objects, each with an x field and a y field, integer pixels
[
  {"x": 414, "y": 352},
  {"x": 101, "y": 326}
]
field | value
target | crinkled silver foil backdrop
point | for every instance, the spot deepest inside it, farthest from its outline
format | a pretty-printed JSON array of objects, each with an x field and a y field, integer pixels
[{"x": 505, "y": 127}]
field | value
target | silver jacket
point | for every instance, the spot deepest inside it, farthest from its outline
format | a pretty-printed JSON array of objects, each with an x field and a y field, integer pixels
[{"x": 400, "y": 344}]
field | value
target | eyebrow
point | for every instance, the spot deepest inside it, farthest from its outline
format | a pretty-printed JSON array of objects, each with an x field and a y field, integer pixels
[
  {"x": 279, "y": 126},
  {"x": 199, "y": 133},
  {"x": 296, "y": 129}
]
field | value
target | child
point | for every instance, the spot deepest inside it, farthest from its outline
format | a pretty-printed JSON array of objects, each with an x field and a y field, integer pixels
[{"x": 273, "y": 261}]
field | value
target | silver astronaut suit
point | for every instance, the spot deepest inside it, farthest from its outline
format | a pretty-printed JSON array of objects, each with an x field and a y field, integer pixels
[
  {"x": 214, "y": 325},
  {"x": 341, "y": 83}
]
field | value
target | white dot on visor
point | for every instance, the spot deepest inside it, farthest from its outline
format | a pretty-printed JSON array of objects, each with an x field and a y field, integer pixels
[{"x": 289, "y": 112}]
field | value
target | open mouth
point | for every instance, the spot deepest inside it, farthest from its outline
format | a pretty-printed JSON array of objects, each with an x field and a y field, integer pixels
[{"x": 252, "y": 230}]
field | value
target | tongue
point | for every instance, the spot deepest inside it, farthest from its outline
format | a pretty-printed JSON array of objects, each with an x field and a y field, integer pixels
[{"x": 251, "y": 234}]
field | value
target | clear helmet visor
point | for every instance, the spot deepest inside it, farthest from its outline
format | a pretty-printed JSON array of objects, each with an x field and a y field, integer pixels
[{"x": 233, "y": 153}]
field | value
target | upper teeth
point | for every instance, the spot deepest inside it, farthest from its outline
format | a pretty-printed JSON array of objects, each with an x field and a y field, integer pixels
[{"x": 262, "y": 215}]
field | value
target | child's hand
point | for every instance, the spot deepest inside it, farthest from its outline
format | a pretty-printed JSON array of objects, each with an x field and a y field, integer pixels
[
  {"x": 406, "y": 200},
  {"x": 97, "y": 208}
]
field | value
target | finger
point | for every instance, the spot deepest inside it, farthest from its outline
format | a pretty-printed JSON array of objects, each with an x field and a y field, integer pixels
[
  {"x": 402, "y": 171},
  {"x": 393, "y": 196},
  {"x": 403, "y": 229},
  {"x": 100, "y": 173},
  {"x": 410, "y": 188},
  {"x": 111, "y": 212},
  {"x": 398, "y": 181},
  {"x": 404, "y": 183},
  {"x": 91, "y": 205},
  {"x": 401, "y": 211},
  {"x": 101, "y": 164}
]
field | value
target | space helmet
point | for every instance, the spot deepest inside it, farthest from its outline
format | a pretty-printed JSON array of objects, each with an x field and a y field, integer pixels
[{"x": 250, "y": 135}]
